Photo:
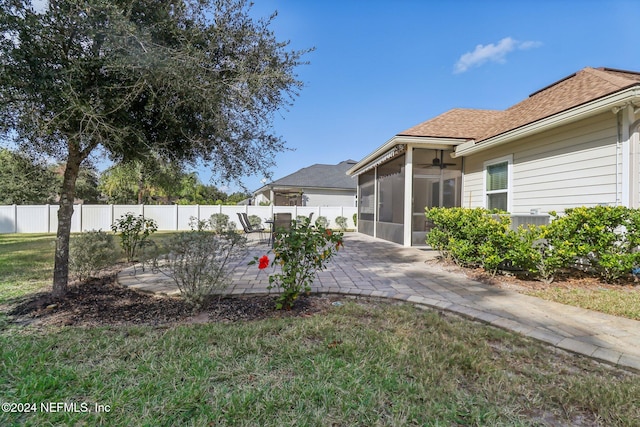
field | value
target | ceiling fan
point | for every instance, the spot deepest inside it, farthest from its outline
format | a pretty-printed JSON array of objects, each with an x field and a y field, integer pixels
[{"x": 437, "y": 161}]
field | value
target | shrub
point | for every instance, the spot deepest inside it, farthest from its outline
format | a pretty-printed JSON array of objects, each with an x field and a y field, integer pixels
[
  {"x": 219, "y": 223},
  {"x": 602, "y": 239},
  {"x": 322, "y": 222},
  {"x": 91, "y": 252},
  {"x": 532, "y": 251},
  {"x": 134, "y": 230},
  {"x": 355, "y": 219},
  {"x": 342, "y": 222},
  {"x": 255, "y": 220},
  {"x": 471, "y": 237},
  {"x": 301, "y": 252},
  {"x": 198, "y": 262},
  {"x": 199, "y": 224}
]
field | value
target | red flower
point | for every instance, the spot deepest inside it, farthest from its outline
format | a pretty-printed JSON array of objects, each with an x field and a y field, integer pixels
[
  {"x": 329, "y": 233},
  {"x": 338, "y": 244},
  {"x": 263, "y": 262}
]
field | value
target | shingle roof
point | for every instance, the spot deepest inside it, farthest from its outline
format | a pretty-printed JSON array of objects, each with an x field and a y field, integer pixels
[
  {"x": 584, "y": 86},
  {"x": 320, "y": 176},
  {"x": 457, "y": 123}
]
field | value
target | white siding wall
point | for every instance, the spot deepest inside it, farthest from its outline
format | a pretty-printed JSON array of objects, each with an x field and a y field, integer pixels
[
  {"x": 329, "y": 198},
  {"x": 568, "y": 167}
]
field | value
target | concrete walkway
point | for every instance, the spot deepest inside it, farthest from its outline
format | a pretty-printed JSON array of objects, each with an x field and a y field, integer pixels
[{"x": 371, "y": 267}]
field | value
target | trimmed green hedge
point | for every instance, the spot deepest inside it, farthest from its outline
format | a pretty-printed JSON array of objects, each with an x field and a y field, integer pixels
[{"x": 602, "y": 240}]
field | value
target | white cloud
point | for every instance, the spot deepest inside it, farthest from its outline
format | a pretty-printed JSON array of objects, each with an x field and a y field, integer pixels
[{"x": 492, "y": 52}]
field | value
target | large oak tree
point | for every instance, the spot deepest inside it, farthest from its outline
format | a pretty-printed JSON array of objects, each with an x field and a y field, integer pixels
[{"x": 184, "y": 81}]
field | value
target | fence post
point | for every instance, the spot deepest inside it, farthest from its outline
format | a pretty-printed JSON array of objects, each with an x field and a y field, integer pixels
[
  {"x": 48, "y": 218},
  {"x": 177, "y": 225},
  {"x": 15, "y": 218}
]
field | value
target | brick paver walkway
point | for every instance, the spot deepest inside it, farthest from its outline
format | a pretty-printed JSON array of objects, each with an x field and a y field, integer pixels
[{"x": 371, "y": 267}]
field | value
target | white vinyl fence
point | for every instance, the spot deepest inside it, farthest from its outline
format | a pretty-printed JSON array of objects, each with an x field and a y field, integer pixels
[{"x": 44, "y": 218}]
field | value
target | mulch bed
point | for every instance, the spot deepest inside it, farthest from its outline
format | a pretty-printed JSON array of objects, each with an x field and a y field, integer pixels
[{"x": 101, "y": 302}]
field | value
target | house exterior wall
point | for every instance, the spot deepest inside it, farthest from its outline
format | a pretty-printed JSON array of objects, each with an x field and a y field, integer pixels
[
  {"x": 576, "y": 165},
  {"x": 327, "y": 197}
]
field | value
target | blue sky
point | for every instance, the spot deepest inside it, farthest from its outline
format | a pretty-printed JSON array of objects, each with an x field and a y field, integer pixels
[{"x": 381, "y": 67}]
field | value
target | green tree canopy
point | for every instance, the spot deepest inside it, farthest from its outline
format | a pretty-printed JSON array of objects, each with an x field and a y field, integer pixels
[
  {"x": 150, "y": 182},
  {"x": 181, "y": 80},
  {"x": 25, "y": 181}
]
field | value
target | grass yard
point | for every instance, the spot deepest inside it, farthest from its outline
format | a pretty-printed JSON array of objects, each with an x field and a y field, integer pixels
[
  {"x": 360, "y": 364},
  {"x": 363, "y": 363}
]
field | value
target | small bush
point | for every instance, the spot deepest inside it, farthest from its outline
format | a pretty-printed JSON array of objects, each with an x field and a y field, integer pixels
[
  {"x": 471, "y": 237},
  {"x": 322, "y": 222},
  {"x": 219, "y": 223},
  {"x": 134, "y": 230},
  {"x": 301, "y": 252},
  {"x": 199, "y": 224},
  {"x": 342, "y": 222},
  {"x": 601, "y": 240},
  {"x": 198, "y": 262},
  {"x": 355, "y": 219},
  {"x": 532, "y": 252},
  {"x": 255, "y": 220},
  {"x": 91, "y": 252}
]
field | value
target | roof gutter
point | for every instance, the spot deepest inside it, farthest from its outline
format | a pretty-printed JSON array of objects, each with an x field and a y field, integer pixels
[
  {"x": 610, "y": 102},
  {"x": 401, "y": 140}
]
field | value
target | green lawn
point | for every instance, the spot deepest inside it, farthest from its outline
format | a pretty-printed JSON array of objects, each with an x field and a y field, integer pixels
[
  {"x": 360, "y": 364},
  {"x": 357, "y": 365}
]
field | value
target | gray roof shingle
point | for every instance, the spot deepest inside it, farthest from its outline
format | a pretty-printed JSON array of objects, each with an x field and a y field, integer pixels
[{"x": 319, "y": 176}]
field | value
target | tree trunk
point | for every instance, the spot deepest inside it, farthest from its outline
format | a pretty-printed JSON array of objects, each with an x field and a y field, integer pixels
[{"x": 65, "y": 212}]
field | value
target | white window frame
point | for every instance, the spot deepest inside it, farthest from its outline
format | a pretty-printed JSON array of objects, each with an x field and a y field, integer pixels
[{"x": 509, "y": 190}]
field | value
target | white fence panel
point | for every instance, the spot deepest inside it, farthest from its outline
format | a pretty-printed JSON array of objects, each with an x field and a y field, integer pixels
[
  {"x": 95, "y": 217},
  {"x": 119, "y": 210},
  {"x": 207, "y": 210},
  {"x": 30, "y": 219},
  {"x": 185, "y": 212},
  {"x": 8, "y": 219},
  {"x": 164, "y": 215},
  {"x": 306, "y": 211},
  {"x": 264, "y": 212},
  {"x": 53, "y": 218}
]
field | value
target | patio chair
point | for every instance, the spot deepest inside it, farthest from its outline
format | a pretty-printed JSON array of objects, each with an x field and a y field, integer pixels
[
  {"x": 247, "y": 227},
  {"x": 281, "y": 223},
  {"x": 251, "y": 226}
]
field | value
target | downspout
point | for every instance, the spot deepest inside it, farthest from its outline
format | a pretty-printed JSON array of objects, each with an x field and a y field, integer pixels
[{"x": 618, "y": 151}]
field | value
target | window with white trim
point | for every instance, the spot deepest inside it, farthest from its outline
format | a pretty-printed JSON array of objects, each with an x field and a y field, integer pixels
[{"x": 498, "y": 183}]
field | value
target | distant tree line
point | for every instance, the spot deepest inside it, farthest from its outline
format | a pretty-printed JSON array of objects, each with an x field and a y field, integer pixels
[{"x": 25, "y": 180}]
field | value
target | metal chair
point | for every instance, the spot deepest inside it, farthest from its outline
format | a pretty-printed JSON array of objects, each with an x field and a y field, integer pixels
[
  {"x": 281, "y": 223},
  {"x": 246, "y": 225}
]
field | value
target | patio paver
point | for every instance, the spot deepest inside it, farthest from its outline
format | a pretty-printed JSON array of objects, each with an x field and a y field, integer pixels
[{"x": 372, "y": 267}]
